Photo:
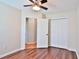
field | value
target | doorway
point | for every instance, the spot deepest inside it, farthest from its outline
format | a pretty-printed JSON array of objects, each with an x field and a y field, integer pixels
[{"x": 31, "y": 33}]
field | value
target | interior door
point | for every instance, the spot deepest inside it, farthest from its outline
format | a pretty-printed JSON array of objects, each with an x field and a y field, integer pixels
[
  {"x": 42, "y": 33},
  {"x": 59, "y": 33}
]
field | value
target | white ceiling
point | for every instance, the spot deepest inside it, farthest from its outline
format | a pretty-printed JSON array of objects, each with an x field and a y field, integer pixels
[
  {"x": 59, "y": 5},
  {"x": 53, "y": 5},
  {"x": 14, "y": 3}
]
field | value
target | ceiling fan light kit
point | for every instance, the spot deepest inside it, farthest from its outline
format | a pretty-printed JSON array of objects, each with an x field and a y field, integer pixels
[{"x": 36, "y": 8}]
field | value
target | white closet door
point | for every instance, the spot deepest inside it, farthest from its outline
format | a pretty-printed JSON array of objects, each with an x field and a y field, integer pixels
[
  {"x": 42, "y": 31},
  {"x": 59, "y": 33}
]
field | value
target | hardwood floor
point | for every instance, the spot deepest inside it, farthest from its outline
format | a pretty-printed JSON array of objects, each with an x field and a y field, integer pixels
[
  {"x": 30, "y": 46},
  {"x": 50, "y": 53}
]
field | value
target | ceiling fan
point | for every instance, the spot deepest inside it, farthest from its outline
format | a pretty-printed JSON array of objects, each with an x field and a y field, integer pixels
[{"x": 37, "y": 4}]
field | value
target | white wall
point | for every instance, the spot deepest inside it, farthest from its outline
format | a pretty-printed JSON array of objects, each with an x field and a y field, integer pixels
[{"x": 10, "y": 22}]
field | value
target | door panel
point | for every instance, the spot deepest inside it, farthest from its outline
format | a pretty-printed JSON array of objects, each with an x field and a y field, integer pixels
[{"x": 42, "y": 33}]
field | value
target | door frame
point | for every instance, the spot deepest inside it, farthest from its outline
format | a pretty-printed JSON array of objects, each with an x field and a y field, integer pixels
[{"x": 49, "y": 32}]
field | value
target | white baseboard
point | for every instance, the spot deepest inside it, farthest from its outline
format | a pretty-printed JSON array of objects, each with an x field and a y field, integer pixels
[
  {"x": 23, "y": 49},
  {"x": 68, "y": 49},
  {"x": 11, "y": 52},
  {"x": 31, "y": 43},
  {"x": 42, "y": 47},
  {"x": 77, "y": 54},
  {"x": 75, "y": 51}
]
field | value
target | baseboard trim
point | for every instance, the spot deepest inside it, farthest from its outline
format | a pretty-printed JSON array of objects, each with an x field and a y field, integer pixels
[
  {"x": 6, "y": 54},
  {"x": 67, "y": 49},
  {"x": 31, "y": 43},
  {"x": 17, "y": 50},
  {"x": 42, "y": 47},
  {"x": 75, "y": 51},
  {"x": 77, "y": 54}
]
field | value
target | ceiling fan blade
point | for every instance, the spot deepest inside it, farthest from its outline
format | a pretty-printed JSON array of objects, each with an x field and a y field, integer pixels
[
  {"x": 27, "y": 5},
  {"x": 45, "y": 8},
  {"x": 43, "y": 1},
  {"x": 31, "y": 1}
]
